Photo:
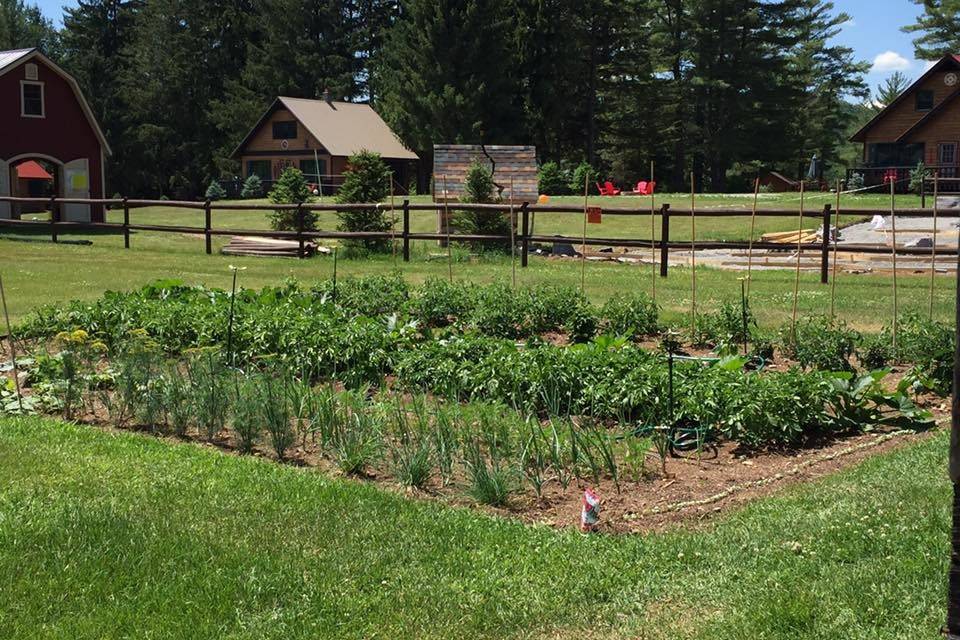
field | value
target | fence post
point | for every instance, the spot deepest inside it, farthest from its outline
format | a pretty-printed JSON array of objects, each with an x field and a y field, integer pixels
[
  {"x": 825, "y": 246},
  {"x": 923, "y": 191},
  {"x": 301, "y": 253},
  {"x": 525, "y": 233},
  {"x": 206, "y": 227},
  {"x": 126, "y": 224},
  {"x": 664, "y": 239},
  {"x": 406, "y": 231},
  {"x": 54, "y": 218}
]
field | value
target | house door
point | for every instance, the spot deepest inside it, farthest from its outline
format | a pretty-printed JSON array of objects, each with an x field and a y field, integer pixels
[
  {"x": 947, "y": 159},
  {"x": 4, "y": 189},
  {"x": 76, "y": 184}
]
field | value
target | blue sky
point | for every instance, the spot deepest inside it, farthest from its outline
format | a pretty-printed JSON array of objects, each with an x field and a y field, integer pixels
[{"x": 874, "y": 33}]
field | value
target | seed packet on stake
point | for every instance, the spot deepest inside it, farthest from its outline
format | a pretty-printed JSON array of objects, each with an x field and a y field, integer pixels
[{"x": 590, "y": 513}]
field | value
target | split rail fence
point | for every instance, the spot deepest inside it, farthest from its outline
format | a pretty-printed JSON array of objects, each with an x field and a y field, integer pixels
[{"x": 524, "y": 237}]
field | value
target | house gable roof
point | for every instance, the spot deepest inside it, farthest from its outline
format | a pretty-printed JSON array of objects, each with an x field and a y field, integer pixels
[
  {"x": 947, "y": 61},
  {"x": 343, "y": 128},
  {"x": 10, "y": 60},
  {"x": 929, "y": 116}
]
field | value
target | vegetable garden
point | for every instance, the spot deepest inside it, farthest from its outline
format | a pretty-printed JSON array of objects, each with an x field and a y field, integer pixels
[{"x": 507, "y": 397}]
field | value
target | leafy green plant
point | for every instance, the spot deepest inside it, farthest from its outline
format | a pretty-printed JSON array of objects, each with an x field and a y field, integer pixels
[
  {"x": 553, "y": 179},
  {"x": 632, "y": 315},
  {"x": 291, "y": 188},
  {"x": 819, "y": 343},
  {"x": 583, "y": 174}
]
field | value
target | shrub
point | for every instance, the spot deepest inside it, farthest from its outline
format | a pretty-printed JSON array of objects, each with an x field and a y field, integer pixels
[
  {"x": 631, "y": 315},
  {"x": 855, "y": 181},
  {"x": 553, "y": 180},
  {"x": 366, "y": 179},
  {"x": 215, "y": 191},
  {"x": 291, "y": 188},
  {"x": 439, "y": 303},
  {"x": 252, "y": 187},
  {"x": 583, "y": 173},
  {"x": 820, "y": 344},
  {"x": 478, "y": 188},
  {"x": 917, "y": 176}
]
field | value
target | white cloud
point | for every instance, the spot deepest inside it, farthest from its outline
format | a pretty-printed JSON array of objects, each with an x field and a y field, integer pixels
[{"x": 890, "y": 61}]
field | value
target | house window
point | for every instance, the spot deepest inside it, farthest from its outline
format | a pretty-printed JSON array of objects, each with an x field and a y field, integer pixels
[
  {"x": 309, "y": 169},
  {"x": 285, "y": 130},
  {"x": 31, "y": 100},
  {"x": 924, "y": 100},
  {"x": 259, "y": 168},
  {"x": 889, "y": 154}
]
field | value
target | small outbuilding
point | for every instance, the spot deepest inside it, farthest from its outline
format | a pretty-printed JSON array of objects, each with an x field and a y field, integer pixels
[
  {"x": 317, "y": 137},
  {"x": 46, "y": 121},
  {"x": 507, "y": 163}
]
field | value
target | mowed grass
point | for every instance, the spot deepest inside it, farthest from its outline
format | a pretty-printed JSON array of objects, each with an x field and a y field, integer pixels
[
  {"x": 106, "y": 535},
  {"x": 39, "y": 272}
]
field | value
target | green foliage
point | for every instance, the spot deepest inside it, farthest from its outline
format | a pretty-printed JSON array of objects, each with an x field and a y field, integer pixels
[
  {"x": 366, "y": 179},
  {"x": 820, "y": 344},
  {"x": 553, "y": 179},
  {"x": 583, "y": 175},
  {"x": 490, "y": 480},
  {"x": 215, "y": 191},
  {"x": 917, "y": 176},
  {"x": 252, "y": 187},
  {"x": 291, "y": 188},
  {"x": 727, "y": 328},
  {"x": 478, "y": 188},
  {"x": 632, "y": 315}
]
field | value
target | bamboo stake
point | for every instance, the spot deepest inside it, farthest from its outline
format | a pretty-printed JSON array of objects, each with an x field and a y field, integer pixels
[
  {"x": 693, "y": 256},
  {"x": 393, "y": 224},
  {"x": 753, "y": 224},
  {"x": 796, "y": 280},
  {"x": 13, "y": 351},
  {"x": 653, "y": 235},
  {"x": 583, "y": 247},
  {"x": 446, "y": 217},
  {"x": 893, "y": 229},
  {"x": 513, "y": 241},
  {"x": 836, "y": 239},
  {"x": 933, "y": 249}
]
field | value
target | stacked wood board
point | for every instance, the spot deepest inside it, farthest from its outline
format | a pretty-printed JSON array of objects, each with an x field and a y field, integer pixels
[
  {"x": 803, "y": 236},
  {"x": 270, "y": 247},
  {"x": 517, "y": 162}
]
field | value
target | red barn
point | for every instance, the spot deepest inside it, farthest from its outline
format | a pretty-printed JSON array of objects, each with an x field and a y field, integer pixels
[{"x": 44, "y": 117}]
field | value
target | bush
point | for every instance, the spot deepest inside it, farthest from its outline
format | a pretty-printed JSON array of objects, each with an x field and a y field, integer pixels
[
  {"x": 929, "y": 345},
  {"x": 855, "y": 181},
  {"x": 252, "y": 187},
  {"x": 820, "y": 344},
  {"x": 724, "y": 329},
  {"x": 917, "y": 176},
  {"x": 583, "y": 173},
  {"x": 630, "y": 315},
  {"x": 215, "y": 191},
  {"x": 479, "y": 188},
  {"x": 553, "y": 179},
  {"x": 291, "y": 188},
  {"x": 440, "y": 303},
  {"x": 366, "y": 179}
]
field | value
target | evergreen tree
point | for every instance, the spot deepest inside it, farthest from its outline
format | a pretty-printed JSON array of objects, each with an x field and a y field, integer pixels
[
  {"x": 939, "y": 29},
  {"x": 366, "y": 179},
  {"x": 451, "y": 75},
  {"x": 23, "y": 26},
  {"x": 291, "y": 188},
  {"x": 890, "y": 90}
]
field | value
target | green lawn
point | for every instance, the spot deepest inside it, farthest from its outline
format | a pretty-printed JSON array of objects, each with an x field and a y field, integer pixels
[{"x": 108, "y": 535}]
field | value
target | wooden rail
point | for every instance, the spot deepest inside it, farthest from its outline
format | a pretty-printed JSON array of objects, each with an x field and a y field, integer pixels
[{"x": 55, "y": 227}]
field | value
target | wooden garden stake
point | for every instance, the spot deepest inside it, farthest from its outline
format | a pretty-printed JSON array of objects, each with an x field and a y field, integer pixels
[
  {"x": 893, "y": 230},
  {"x": 513, "y": 240},
  {"x": 933, "y": 249},
  {"x": 446, "y": 217},
  {"x": 233, "y": 298},
  {"x": 334, "y": 298},
  {"x": 753, "y": 224},
  {"x": 796, "y": 280},
  {"x": 393, "y": 223},
  {"x": 583, "y": 247},
  {"x": 693, "y": 256},
  {"x": 836, "y": 240},
  {"x": 13, "y": 351},
  {"x": 653, "y": 235}
]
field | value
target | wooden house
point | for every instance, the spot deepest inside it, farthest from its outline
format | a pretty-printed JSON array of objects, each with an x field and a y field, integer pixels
[
  {"x": 317, "y": 137},
  {"x": 44, "y": 117},
  {"x": 921, "y": 125}
]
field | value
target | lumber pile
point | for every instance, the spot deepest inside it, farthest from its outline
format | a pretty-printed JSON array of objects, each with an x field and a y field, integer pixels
[
  {"x": 266, "y": 247},
  {"x": 791, "y": 237}
]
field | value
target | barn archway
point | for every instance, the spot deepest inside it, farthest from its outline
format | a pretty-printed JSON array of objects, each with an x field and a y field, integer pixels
[{"x": 34, "y": 177}]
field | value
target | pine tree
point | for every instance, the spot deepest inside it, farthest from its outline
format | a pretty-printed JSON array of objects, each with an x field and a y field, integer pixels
[
  {"x": 24, "y": 27},
  {"x": 890, "y": 90},
  {"x": 366, "y": 179},
  {"x": 939, "y": 29}
]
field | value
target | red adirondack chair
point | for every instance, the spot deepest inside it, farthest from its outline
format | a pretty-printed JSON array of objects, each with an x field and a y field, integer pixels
[
  {"x": 608, "y": 189},
  {"x": 645, "y": 188}
]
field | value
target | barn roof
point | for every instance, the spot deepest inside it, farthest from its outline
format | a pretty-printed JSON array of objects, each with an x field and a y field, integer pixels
[
  {"x": 10, "y": 60},
  {"x": 343, "y": 128},
  {"x": 951, "y": 60},
  {"x": 31, "y": 170}
]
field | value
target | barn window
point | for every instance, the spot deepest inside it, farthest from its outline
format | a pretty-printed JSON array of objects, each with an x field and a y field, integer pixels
[
  {"x": 924, "y": 100},
  {"x": 285, "y": 130},
  {"x": 31, "y": 100}
]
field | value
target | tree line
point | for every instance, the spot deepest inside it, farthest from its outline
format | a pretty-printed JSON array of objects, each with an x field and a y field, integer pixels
[{"x": 712, "y": 89}]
